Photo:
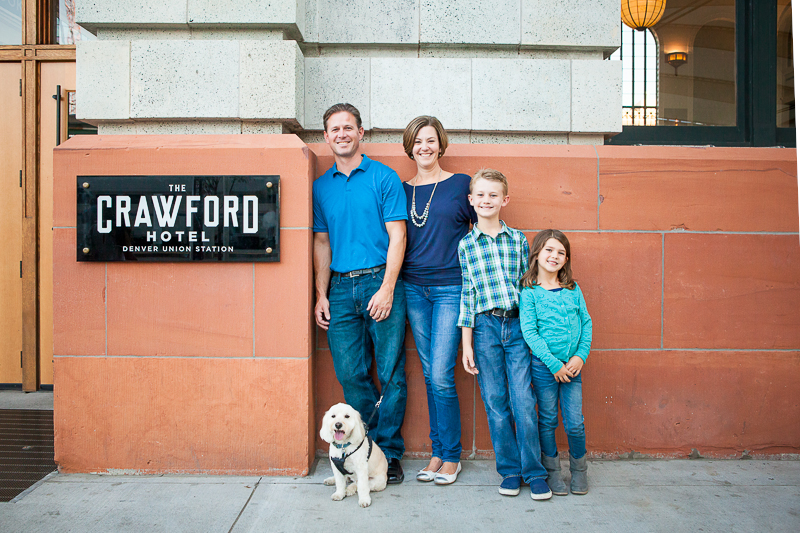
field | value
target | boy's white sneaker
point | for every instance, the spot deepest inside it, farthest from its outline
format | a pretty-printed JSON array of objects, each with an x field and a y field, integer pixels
[
  {"x": 510, "y": 486},
  {"x": 540, "y": 490}
]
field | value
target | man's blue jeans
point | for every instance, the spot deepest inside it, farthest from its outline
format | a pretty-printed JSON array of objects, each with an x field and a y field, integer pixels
[
  {"x": 504, "y": 375},
  {"x": 549, "y": 393},
  {"x": 433, "y": 315},
  {"x": 350, "y": 333}
]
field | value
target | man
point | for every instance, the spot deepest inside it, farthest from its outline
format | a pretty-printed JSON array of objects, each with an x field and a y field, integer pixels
[{"x": 359, "y": 243}]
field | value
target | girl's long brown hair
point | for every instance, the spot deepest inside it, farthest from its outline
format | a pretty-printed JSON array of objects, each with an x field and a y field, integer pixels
[{"x": 564, "y": 275}]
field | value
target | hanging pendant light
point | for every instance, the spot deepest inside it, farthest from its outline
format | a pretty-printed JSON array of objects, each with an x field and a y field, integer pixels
[{"x": 641, "y": 14}]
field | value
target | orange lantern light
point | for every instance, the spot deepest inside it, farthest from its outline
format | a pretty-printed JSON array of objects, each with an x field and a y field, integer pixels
[{"x": 641, "y": 14}]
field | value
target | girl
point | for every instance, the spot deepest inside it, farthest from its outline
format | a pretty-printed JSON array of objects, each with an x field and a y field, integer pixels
[{"x": 558, "y": 329}]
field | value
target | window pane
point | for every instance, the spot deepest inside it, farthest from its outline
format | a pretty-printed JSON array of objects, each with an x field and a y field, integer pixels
[
  {"x": 785, "y": 100},
  {"x": 75, "y": 126},
  {"x": 10, "y": 22},
  {"x": 652, "y": 93},
  {"x": 639, "y": 77},
  {"x": 68, "y": 31},
  {"x": 698, "y": 90}
]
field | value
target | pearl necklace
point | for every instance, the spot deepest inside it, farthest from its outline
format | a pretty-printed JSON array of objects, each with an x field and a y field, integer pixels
[{"x": 421, "y": 220}]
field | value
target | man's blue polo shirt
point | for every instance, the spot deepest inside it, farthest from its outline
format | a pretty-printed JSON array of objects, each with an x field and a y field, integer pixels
[{"x": 353, "y": 211}]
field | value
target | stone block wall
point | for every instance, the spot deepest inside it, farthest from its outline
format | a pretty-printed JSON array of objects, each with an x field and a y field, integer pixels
[
  {"x": 512, "y": 71},
  {"x": 183, "y": 367},
  {"x": 688, "y": 261},
  {"x": 687, "y": 258}
]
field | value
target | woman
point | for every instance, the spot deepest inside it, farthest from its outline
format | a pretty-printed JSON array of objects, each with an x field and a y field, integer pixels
[{"x": 439, "y": 216}]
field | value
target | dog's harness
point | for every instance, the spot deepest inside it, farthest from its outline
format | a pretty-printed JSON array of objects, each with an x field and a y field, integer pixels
[{"x": 339, "y": 463}]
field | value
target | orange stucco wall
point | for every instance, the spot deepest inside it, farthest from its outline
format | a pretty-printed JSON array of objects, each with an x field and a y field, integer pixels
[
  {"x": 690, "y": 263},
  {"x": 181, "y": 367},
  {"x": 688, "y": 257}
]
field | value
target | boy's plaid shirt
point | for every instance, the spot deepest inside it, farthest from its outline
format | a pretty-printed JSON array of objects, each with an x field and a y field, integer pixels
[{"x": 490, "y": 271}]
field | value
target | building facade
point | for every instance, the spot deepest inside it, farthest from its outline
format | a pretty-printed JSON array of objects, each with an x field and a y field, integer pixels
[
  {"x": 187, "y": 367},
  {"x": 506, "y": 71}
]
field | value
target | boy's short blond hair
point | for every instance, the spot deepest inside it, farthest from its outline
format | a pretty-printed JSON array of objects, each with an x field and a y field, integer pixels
[{"x": 491, "y": 175}]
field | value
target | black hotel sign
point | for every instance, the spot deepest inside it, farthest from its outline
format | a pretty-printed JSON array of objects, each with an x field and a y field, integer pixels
[{"x": 178, "y": 218}]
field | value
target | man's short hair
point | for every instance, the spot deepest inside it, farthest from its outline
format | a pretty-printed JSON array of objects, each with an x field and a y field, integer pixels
[
  {"x": 490, "y": 175},
  {"x": 338, "y": 108},
  {"x": 412, "y": 130}
]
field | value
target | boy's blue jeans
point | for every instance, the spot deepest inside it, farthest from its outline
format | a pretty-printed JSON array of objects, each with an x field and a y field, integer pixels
[
  {"x": 350, "y": 333},
  {"x": 433, "y": 315},
  {"x": 549, "y": 393},
  {"x": 504, "y": 375}
]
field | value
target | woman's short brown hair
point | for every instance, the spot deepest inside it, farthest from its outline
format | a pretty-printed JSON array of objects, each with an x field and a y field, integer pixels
[{"x": 410, "y": 135}]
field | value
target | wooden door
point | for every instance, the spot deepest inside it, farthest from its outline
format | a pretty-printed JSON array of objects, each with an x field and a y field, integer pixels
[
  {"x": 53, "y": 74},
  {"x": 10, "y": 223},
  {"x": 27, "y": 137}
]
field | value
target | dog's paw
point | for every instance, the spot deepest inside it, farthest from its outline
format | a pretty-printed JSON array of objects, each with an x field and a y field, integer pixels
[
  {"x": 329, "y": 481},
  {"x": 351, "y": 489},
  {"x": 337, "y": 496},
  {"x": 365, "y": 502}
]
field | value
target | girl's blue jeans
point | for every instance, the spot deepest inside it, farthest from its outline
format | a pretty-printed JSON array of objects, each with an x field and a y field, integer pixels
[
  {"x": 549, "y": 394},
  {"x": 433, "y": 314},
  {"x": 350, "y": 334},
  {"x": 504, "y": 375}
]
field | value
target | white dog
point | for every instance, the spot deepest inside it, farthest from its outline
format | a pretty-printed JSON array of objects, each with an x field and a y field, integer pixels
[{"x": 358, "y": 457}]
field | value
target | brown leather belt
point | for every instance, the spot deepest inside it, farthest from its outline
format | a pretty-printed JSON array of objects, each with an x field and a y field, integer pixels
[
  {"x": 513, "y": 313},
  {"x": 356, "y": 273}
]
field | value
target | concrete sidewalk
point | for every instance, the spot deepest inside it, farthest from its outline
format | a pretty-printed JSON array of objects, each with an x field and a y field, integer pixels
[{"x": 639, "y": 495}]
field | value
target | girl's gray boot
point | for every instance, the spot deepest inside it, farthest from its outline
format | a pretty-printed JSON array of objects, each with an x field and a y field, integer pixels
[
  {"x": 579, "y": 484},
  {"x": 554, "y": 479}
]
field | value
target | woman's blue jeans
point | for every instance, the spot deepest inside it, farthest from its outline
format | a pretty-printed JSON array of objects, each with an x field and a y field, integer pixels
[
  {"x": 433, "y": 314},
  {"x": 504, "y": 375},
  {"x": 549, "y": 393},
  {"x": 350, "y": 333}
]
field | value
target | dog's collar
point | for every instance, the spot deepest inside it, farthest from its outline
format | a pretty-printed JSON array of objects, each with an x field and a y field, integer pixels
[
  {"x": 339, "y": 462},
  {"x": 343, "y": 446}
]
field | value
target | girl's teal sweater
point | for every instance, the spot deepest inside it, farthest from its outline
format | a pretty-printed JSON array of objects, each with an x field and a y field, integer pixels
[{"x": 556, "y": 325}]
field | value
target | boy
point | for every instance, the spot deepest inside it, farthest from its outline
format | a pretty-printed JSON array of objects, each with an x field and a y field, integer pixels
[{"x": 493, "y": 258}]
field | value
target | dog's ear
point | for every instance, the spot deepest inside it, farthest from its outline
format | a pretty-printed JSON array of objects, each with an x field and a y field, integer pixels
[
  {"x": 359, "y": 428},
  {"x": 325, "y": 431}
]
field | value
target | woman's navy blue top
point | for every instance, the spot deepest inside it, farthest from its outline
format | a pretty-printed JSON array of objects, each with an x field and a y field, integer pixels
[{"x": 432, "y": 250}]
